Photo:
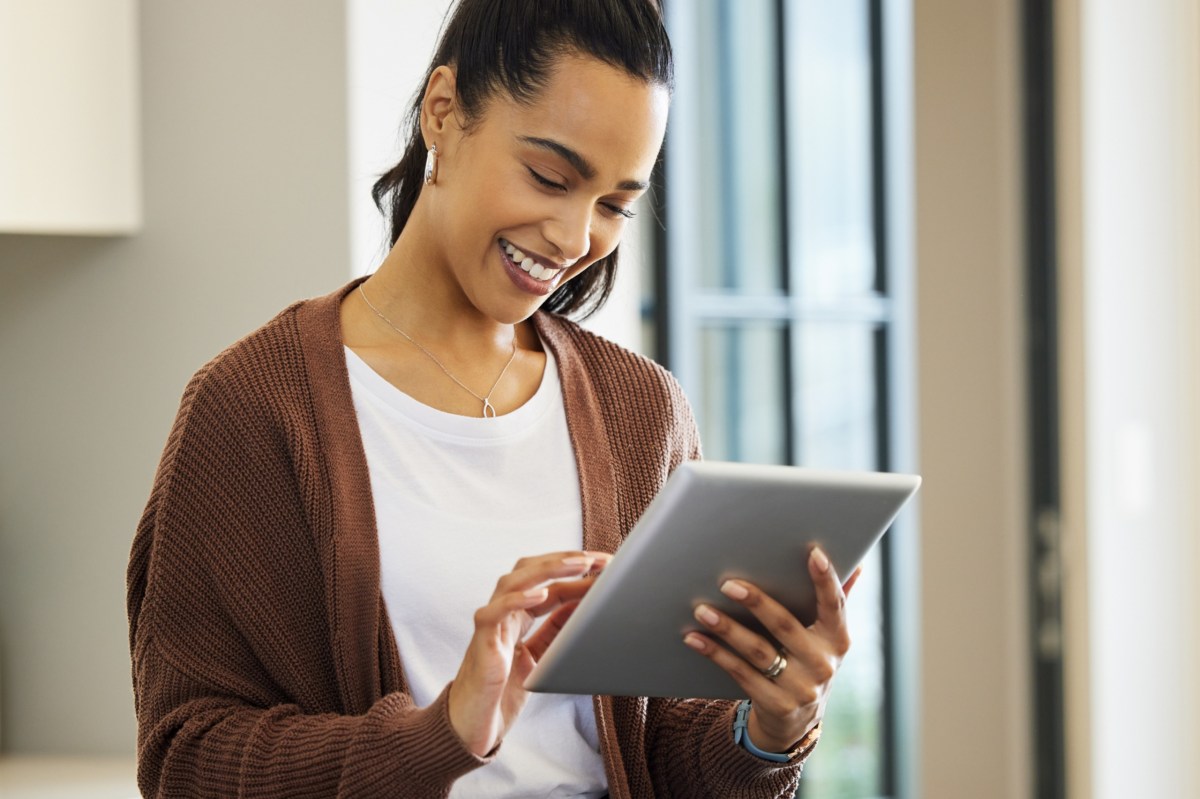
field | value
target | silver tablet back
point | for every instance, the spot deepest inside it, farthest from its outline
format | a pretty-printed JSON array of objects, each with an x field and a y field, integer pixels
[{"x": 712, "y": 521}]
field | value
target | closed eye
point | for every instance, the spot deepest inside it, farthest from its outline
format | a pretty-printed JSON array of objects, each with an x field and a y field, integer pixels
[
  {"x": 616, "y": 210},
  {"x": 545, "y": 181}
]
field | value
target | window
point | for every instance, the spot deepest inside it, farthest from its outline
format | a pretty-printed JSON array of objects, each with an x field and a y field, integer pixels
[{"x": 771, "y": 298}]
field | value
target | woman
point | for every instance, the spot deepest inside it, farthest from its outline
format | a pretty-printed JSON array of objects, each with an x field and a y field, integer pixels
[{"x": 313, "y": 594}]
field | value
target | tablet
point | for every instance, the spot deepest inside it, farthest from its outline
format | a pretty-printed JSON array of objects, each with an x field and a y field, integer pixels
[{"x": 710, "y": 522}]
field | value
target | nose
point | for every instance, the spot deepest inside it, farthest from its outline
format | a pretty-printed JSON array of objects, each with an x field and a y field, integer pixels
[{"x": 571, "y": 232}]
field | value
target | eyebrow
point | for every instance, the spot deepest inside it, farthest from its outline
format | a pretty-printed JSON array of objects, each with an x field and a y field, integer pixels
[{"x": 581, "y": 164}]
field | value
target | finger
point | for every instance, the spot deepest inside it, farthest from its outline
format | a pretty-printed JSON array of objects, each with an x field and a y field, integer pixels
[
  {"x": 808, "y": 661},
  {"x": 831, "y": 600},
  {"x": 753, "y": 648},
  {"x": 530, "y": 572},
  {"x": 557, "y": 556},
  {"x": 757, "y": 687},
  {"x": 504, "y": 605},
  {"x": 563, "y": 591},
  {"x": 849, "y": 584},
  {"x": 540, "y": 641},
  {"x": 777, "y": 619},
  {"x": 523, "y": 663}
]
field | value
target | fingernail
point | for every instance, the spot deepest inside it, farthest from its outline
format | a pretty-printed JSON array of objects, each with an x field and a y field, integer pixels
[
  {"x": 707, "y": 615},
  {"x": 734, "y": 590},
  {"x": 818, "y": 558},
  {"x": 533, "y": 592},
  {"x": 577, "y": 560},
  {"x": 694, "y": 641}
]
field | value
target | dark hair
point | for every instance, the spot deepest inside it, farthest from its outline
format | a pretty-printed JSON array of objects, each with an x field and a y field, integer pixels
[{"x": 511, "y": 46}]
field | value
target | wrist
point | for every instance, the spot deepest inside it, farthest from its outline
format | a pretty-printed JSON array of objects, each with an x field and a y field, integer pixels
[
  {"x": 461, "y": 723},
  {"x": 749, "y": 733},
  {"x": 767, "y": 740}
]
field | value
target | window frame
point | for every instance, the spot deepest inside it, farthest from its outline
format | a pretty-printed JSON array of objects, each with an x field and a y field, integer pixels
[{"x": 677, "y": 312}]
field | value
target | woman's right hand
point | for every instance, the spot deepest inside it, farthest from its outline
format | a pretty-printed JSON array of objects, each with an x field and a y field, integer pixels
[{"x": 488, "y": 693}]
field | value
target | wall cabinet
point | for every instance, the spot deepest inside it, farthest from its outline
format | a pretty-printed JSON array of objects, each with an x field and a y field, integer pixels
[{"x": 69, "y": 117}]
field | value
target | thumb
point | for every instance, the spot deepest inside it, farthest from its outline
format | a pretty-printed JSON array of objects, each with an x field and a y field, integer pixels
[
  {"x": 849, "y": 584},
  {"x": 522, "y": 664}
]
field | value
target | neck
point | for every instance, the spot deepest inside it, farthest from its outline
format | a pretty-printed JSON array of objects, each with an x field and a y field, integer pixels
[{"x": 416, "y": 290}]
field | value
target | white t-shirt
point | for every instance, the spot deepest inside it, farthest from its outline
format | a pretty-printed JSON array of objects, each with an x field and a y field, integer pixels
[{"x": 458, "y": 501}]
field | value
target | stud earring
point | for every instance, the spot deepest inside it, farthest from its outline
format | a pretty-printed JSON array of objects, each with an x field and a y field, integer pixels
[{"x": 431, "y": 166}]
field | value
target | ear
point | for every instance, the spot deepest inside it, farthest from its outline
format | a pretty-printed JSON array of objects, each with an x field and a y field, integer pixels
[{"x": 438, "y": 107}]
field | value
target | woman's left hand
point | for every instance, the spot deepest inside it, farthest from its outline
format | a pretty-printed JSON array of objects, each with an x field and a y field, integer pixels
[{"x": 784, "y": 708}]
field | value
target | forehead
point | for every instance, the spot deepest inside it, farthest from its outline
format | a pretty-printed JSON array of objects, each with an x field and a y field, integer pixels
[{"x": 613, "y": 119}]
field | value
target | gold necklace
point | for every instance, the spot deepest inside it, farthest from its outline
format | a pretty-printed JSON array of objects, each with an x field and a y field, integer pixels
[{"x": 489, "y": 410}]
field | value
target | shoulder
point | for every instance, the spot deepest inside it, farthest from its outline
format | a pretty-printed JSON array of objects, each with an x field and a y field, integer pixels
[
  {"x": 278, "y": 362},
  {"x": 633, "y": 390},
  {"x": 611, "y": 367},
  {"x": 249, "y": 365},
  {"x": 234, "y": 406},
  {"x": 251, "y": 400}
]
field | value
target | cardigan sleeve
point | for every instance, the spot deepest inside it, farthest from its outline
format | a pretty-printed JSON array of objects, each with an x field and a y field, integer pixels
[
  {"x": 198, "y": 741},
  {"x": 235, "y": 684},
  {"x": 691, "y": 752}
]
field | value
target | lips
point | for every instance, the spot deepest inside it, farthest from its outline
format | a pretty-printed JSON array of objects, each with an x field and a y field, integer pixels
[{"x": 534, "y": 266}]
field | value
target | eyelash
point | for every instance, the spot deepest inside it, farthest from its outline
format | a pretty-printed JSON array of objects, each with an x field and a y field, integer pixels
[{"x": 550, "y": 184}]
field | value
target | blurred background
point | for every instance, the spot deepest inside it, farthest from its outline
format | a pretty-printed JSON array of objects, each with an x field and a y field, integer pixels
[{"x": 957, "y": 237}]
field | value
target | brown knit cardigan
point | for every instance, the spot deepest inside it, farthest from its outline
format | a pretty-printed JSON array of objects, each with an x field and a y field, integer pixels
[{"x": 264, "y": 664}]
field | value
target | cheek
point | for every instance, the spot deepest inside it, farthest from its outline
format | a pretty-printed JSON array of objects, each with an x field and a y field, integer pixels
[
  {"x": 606, "y": 236},
  {"x": 480, "y": 200}
]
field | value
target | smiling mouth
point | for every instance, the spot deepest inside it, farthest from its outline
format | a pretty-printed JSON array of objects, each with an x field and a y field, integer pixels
[{"x": 535, "y": 269}]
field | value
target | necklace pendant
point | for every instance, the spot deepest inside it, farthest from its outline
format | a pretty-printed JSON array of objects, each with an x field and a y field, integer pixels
[{"x": 489, "y": 410}]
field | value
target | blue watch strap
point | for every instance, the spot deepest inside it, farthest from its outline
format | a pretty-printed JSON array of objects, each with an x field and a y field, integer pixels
[{"x": 741, "y": 735}]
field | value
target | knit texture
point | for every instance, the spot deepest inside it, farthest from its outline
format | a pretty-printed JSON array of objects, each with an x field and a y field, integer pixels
[{"x": 263, "y": 661}]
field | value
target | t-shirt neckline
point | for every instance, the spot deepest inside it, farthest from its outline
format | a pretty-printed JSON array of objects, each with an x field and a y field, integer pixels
[{"x": 440, "y": 422}]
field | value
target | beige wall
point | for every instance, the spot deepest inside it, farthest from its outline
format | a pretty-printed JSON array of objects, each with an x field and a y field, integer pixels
[
  {"x": 1129, "y": 177},
  {"x": 244, "y": 155},
  {"x": 973, "y": 711}
]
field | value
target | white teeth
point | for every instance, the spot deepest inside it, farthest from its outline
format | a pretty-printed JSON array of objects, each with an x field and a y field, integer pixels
[{"x": 535, "y": 270}]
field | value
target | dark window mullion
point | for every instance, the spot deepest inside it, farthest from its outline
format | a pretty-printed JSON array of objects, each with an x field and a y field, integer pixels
[
  {"x": 883, "y": 387},
  {"x": 883, "y": 448},
  {"x": 878, "y": 147},
  {"x": 660, "y": 307},
  {"x": 783, "y": 217},
  {"x": 1049, "y": 736}
]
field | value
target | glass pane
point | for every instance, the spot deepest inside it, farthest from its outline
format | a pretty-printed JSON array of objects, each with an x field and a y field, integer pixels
[
  {"x": 641, "y": 238},
  {"x": 836, "y": 372},
  {"x": 836, "y": 391},
  {"x": 848, "y": 763},
  {"x": 743, "y": 402},
  {"x": 649, "y": 343},
  {"x": 829, "y": 146},
  {"x": 738, "y": 148}
]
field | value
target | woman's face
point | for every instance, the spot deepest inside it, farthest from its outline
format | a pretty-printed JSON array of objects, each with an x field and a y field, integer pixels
[{"x": 536, "y": 193}]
